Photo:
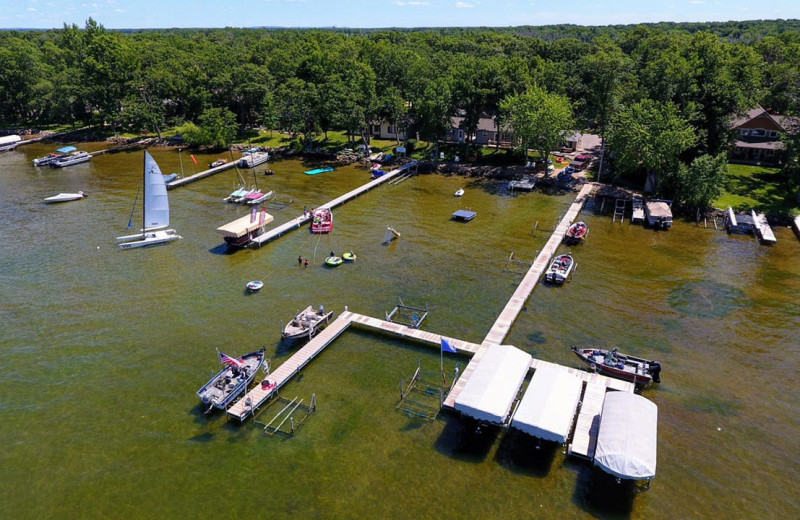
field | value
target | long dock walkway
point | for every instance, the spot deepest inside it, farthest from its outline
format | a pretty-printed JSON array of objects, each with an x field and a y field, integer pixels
[
  {"x": 297, "y": 222},
  {"x": 177, "y": 183}
]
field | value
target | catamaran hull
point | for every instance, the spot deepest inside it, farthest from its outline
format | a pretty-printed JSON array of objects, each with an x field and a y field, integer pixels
[{"x": 149, "y": 239}]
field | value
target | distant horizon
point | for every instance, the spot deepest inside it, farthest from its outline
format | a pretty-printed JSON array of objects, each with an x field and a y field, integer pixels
[{"x": 130, "y": 15}]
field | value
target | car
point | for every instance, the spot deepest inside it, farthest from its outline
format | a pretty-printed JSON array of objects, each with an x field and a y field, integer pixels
[{"x": 580, "y": 162}]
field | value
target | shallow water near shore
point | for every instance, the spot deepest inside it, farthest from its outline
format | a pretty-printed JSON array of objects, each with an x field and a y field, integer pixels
[{"x": 103, "y": 351}]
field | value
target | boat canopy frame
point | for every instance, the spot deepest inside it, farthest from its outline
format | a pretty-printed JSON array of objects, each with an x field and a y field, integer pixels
[{"x": 407, "y": 315}]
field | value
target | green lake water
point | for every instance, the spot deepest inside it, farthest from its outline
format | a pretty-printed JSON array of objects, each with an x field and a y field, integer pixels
[{"x": 103, "y": 351}]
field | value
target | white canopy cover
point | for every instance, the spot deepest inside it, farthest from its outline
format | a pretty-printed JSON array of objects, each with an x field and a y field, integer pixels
[
  {"x": 9, "y": 139},
  {"x": 493, "y": 386},
  {"x": 626, "y": 442},
  {"x": 548, "y": 406},
  {"x": 244, "y": 225}
]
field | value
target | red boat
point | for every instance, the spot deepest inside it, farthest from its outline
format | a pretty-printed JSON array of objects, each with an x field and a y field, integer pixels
[
  {"x": 613, "y": 364},
  {"x": 322, "y": 221},
  {"x": 576, "y": 233}
]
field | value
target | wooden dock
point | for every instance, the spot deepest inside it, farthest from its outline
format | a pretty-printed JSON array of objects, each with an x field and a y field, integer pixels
[
  {"x": 248, "y": 404},
  {"x": 298, "y": 221},
  {"x": 177, "y": 183}
]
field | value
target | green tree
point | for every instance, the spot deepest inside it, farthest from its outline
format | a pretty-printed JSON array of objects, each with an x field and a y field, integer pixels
[
  {"x": 538, "y": 119},
  {"x": 702, "y": 182},
  {"x": 216, "y": 128}
]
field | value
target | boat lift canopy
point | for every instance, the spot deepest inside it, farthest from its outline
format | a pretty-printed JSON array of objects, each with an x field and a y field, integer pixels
[
  {"x": 548, "y": 407},
  {"x": 626, "y": 440},
  {"x": 493, "y": 386},
  {"x": 66, "y": 149},
  {"x": 10, "y": 139},
  {"x": 244, "y": 225}
]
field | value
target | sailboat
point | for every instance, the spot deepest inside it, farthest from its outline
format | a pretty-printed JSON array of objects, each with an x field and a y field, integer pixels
[{"x": 155, "y": 210}]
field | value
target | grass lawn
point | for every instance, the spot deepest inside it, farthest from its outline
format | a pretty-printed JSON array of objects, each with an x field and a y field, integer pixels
[{"x": 757, "y": 187}]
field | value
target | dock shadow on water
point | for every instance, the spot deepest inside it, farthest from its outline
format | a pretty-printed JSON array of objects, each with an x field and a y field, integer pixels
[
  {"x": 521, "y": 453},
  {"x": 707, "y": 299},
  {"x": 599, "y": 494},
  {"x": 466, "y": 440}
]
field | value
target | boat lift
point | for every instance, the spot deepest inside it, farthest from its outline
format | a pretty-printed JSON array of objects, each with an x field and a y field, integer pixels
[
  {"x": 291, "y": 409},
  {"x": 408, "y": 316}
]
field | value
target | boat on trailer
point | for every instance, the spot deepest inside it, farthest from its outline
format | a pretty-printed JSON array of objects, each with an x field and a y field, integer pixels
[
  {"x": 576, "y": 233},
  {"x": 321, "y": 220},
  {"x": 612, "y": 363},
  {"x": 307, "y": 323},
  {"x": 560, "y": 269},
  {"x": 227, "y": 384}
]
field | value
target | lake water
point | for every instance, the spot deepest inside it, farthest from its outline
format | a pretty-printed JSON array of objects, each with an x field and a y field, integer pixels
[{"x": 104, "y": 349}]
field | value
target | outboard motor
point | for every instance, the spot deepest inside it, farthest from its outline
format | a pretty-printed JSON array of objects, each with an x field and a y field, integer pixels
[{"x": 655, "y": 371}]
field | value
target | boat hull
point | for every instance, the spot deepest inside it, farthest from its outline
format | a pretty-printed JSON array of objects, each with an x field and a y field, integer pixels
[
  {"x": 306, "y": 324},
  {"x": 620, "y": 366},
  {"x": 560, "y": 269},
  {"x": 219, "y": 392},
  {"x": 149, "y": 238}
]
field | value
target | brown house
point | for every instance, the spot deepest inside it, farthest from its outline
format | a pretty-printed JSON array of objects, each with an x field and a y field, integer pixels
[
  {"x": 757, "y": 138},
  {"x": 486, "y": 133}
]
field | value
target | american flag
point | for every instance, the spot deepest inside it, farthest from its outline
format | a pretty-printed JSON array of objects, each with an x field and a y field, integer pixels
[{"x": 225, "y": 358}]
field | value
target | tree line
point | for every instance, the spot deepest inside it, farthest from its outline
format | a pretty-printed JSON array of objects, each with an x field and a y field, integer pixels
[{"x": 661, "y": 95}]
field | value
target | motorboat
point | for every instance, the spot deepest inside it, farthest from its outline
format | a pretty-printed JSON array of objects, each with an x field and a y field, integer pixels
[
  {"x": 321, "y": 220},
  {"x": 217, "y": 163},
  {"x": 9, "y": 142},
  {"x": 612, "y": 363},
  {"x": 560, "y": 269},
  {"x": 232, "y": 380},
  {"x": 76, "y": 157},
  {"x": 65, "y": 197},
  {"x": 307, "y": 323},
  {"x": 52, "y": 157},
  {"x": 459, "y": 192},
  {"x": 576, "y": 233},
  {"x": 255, "y": 285},
  {"x": 155, "y": 210},
  {"x": 253, "y": 159}
]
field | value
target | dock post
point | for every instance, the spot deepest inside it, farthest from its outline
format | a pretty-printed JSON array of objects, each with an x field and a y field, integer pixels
[
  {"x": 313, "y": 406},
  {"x": 291, "y": 422}
]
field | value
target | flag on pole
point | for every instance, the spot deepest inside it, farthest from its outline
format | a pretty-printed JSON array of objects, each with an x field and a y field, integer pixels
[
  {"x": 194, "y": 159},
  {"x": 226, "y": 359},
  {"x": 447, "y": 347}
]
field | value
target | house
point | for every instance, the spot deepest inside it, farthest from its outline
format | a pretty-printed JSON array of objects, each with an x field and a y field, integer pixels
[
  {"x": 386, "y": 130},
  {"x": 572, "y": 140},
  {"x": 758, "y": 137},
  {"x": 486, "y": 134}
]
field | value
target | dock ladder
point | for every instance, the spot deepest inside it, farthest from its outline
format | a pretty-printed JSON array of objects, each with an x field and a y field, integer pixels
[{"x": 619, "y": 210}]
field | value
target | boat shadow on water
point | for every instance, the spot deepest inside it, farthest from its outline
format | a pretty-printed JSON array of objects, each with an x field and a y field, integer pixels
[
  {"x": 601, "y": 495},
  {"x": 466, "y": 439},
  {"x": 522, "y": 453}
]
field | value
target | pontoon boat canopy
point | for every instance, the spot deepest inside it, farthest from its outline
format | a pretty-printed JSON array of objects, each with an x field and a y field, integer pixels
[
  {"x": 244, "y": 225},
  {"x": 66, "y": 149},
  {"x": 10, "y": 139},
  {"x": 493, "y": 386},
  {"x": 548, "y": 406},
  {"x": 626, "y": 441}
]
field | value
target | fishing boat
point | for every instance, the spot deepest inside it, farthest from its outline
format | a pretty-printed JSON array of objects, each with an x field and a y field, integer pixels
[
  {"x": 560, "y": 269},
  {"x": 232, "y": 380},
  {"x": 576, "y": 233},
  {"x": 58, "y": 154},
  {"x": 155, "y": 210},
  {"x": 76, "y": 157},
  {"x": 307, "y": 323},
  {"x": 321, "y": 220},
  {"x": 333, "y": 261},
  {"x": 217, "y": 163},
  {"x": 459, "y": 192},
  {"x": 255, "y": 285},
  {"x": 621, "y": 366},
  {"x": 242, "y": 231},
  {"x": 65, "y": 197},
  {"x": 319, "y": 170},
  {"x": 349, "y": 256}
]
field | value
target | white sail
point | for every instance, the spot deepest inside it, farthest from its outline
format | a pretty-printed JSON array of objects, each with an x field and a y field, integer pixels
[{"x": 156, "y": 202}]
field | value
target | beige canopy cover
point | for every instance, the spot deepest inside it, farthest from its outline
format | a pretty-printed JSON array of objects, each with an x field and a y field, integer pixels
[{"x": 242, "y": 226}]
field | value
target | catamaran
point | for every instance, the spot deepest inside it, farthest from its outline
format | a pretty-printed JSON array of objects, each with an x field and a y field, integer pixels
[{"x": 155, "y": 210}]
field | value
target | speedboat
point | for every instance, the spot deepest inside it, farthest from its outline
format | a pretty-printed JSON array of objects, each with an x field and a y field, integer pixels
[
  {"x": 459, "y": 192},
  {"x": 560, "y": 269},
  {"x": 232, "y": 380},
  {"x": 621, "y": 366},
  {"x": 218, "y": 162},
  {"x": 255, "y": 285},
  {"x": 321, "y": 220},
  {"x": 307, "y": 323},
  {"x": 576, "y": 233},
  {"x": 65, "y": 197}
]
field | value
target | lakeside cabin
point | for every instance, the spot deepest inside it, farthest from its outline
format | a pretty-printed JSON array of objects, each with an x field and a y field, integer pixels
[{"x": 242, "y": 231}]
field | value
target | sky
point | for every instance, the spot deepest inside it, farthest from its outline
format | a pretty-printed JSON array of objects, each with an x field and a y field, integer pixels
[{"x": 151, "y": 14}]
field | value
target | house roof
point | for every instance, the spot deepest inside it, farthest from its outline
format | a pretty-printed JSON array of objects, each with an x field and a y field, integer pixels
[{"x": 788, "y": 124}]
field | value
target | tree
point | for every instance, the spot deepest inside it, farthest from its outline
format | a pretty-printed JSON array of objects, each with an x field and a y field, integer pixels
[
  {"x": 702, "y": 182},
  {"x": 538, "y": 119},
  {"x": 216, "y": 128}
]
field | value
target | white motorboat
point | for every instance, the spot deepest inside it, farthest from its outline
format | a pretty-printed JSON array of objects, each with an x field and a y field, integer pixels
[
  {"x": 459, "y": 192},
  {"x": 560, "y": 269},
  {"x": 155, "y": 211},
  {"x": 65, "y": 197},
  {"x": 76, "y": 157}
]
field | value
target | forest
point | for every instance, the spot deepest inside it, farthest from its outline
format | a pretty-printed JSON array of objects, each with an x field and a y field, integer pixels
[{"x": 661, "y": 95}]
